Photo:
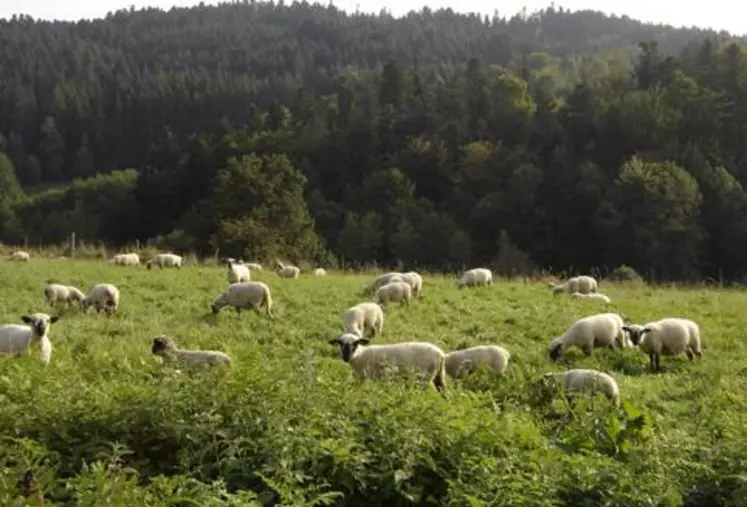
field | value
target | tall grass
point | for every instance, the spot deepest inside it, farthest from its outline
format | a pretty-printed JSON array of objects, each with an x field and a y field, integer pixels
[{"x": 107, "y": 424}]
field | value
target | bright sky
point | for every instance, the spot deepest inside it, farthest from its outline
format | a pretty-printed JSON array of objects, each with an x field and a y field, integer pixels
[{"x": 728, "y": 15}]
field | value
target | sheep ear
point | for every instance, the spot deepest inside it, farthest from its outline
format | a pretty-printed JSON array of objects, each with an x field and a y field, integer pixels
[
  {"x": 646, "y": 330},
  {"x": 626, "y": 329},
  {"x": 334, "y": 341},
  {"x": 27, "y": 319},
  {"x": 363, "y": 341},
  {"x": 54, "y": 319}
]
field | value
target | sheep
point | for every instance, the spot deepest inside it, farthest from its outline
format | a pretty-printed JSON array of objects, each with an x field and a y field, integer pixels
[
  {"x": 583, "y": 284},
  {"x": 166, "y": 348},
  {"x": 320, "y": 272},
  {"x": 244, "y": 295},
  {"x": 253, "y": 266},
  {"x": 467, "y": 361},
  {"x": 593, "y": 295},
  {"x": 363, "y": 317},
  {"x": 103, "y": 296},
  {"x": 475, "y": 277},
  {"x": 668, "y": 337},
  {"x": 58, "y": 293},
  {"x": 288, "y": 271},
  {"x": 370, "y": 360},
  {"x": 394, "y": 291},
  {"x": 590, "y": 380},
  {"x": 20, "y": 255},
  {"x": 382, "y": 280},
  {"x": 237, "y": 273},
  {"x": 165, "y": 260},
  {"x": 415, "y": 281},
  {"x": 16, "y": 339},
  {"x": 600, "y": 330},
  {"x": 130, "y": 259}
]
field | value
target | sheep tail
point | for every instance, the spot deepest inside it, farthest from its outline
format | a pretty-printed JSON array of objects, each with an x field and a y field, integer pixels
[
  {"x": 439, "y": 380},
  {"x": 267, "y": 301}
]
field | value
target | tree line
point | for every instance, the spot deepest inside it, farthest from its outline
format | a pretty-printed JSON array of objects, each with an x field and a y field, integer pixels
[{"x": 559, "y": 140}]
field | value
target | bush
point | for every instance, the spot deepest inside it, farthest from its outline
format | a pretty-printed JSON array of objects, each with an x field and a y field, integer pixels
[{"x": 625, "y": 274}]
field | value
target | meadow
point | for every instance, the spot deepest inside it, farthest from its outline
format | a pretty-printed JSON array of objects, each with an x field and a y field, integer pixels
[{"x": 106, "y": 423}]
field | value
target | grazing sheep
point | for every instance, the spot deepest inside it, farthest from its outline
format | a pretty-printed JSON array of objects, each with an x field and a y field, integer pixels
[
  {"x": 593, "y": 295},
  {"x": 370, "y": 361},
  {"x": 320, "y": 272},
  {"x": 288, "y": 271},
  {"x": 600, "y": 330},
  {"x": 166, "y": 348},
  {"x": 244, "y": 295},
  {"x": 475, "y": 277},
  {"x": 165, "y": 260},
  {"x": 20, "y": 255},
  {"x": 130, "y": 259},
  {"x": 467, "y": 361},
  {"x": 394, "y": 291},
  {"x": 103, "y": 296},
  {"x": 382, "y": 280},
  {"x": 415, "y": 281},
  {"x": 237, "y": 272},
  {"x": 58, "y": 293},
  {"x": 589, "y": 380},
  {"x": 253, "y": 266},
  {"x": 583, "y": 284},
  {"x": 16, "y": 339},
  {"x": 666, "y": 337},
  {"x": 363, "y": 317}
]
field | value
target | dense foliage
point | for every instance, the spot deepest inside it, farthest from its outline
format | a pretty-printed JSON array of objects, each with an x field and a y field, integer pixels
[{"x": 557, "y": 140}]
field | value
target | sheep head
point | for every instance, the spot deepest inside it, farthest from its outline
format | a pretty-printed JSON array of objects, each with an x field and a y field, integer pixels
[
  {"x": 348, "y": 344},
  {"x": 40, "y": 322},
  {"x": 636, "y": 332}
]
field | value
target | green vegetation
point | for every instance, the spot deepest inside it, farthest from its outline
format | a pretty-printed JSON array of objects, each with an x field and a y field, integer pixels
[{"x": 106, "y": 424}]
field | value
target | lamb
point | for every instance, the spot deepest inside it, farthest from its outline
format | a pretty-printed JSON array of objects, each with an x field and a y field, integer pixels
[
  {"x": 394, "y": 291},
  {"x": 166, "y": 348},
  {"x": 130, "y": 259},
  {"x": 320, "y": 272},
  {"x": 668, "y": 337},
  {"x": 103, "y": 296},
  {"x": 475, "y": 277},
  {"x": 583, "y": 284},
  {"x": 382, "y": 280},
  {"x": 600, "y": 330},
  {"x": 415, "y": 281},
  {"x": 165, "y": 260},
  {"x": 363, "y": 317},
  {"x": 287, "y": 271},
  {"x": 467, "y": 361},
  {"x": 67, "y": 294},
  {"x": 590, "y": 380},
  {"x": 20, "y": 255},
  {"x": 238, "y": 273},
  {"x": 593, "y": 295},
  {"x": 370, "y": 360},
  {"x": 16, "y": 339},
  {"x": 244, "y": 295}
]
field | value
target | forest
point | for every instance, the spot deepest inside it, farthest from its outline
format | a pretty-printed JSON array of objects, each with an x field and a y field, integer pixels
[{"x": 567, "y": 141}]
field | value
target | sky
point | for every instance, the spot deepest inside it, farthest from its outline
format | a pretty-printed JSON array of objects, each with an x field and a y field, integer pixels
[{"x": 730, "y": 15}]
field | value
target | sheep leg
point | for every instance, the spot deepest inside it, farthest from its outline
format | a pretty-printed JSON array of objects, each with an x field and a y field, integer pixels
[
  {"x": 238, "y": 311},
  {"x": 690, "y": 354},
  {"x": 652, "y": 361},
  {"x": 438, "y": 383},
  {"x": 586, "y": 350}
]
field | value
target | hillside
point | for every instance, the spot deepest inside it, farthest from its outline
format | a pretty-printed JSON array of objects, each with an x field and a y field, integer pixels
[{"x": 508, "y": 141}]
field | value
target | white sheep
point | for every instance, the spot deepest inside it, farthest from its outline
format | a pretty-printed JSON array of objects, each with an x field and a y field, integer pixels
[
  {"x": 363, "y": 317},
  {"x": 237, "y": 272},
  {"x": 16, "y": 339},
  {"x": 166, "y": 348},
  {"x": 583, "y": 284},
  {"x": 592, "y": 295},
  {"x": 67, "y": 294},
  {"x": 20, "y": 255},
  {"x": 103, "y": 296},
  {"x": 165, "y": 260},
  {"x": 394, "y": 291},
  {"x": 415, "y": 281},
  {"x": 254, "y": 266},
  {"x": 370, "y": 361},
  {"x": 382, "y": 280},
  {"x": 244, "y": 295},
  {"x": 594, "y": 381},
  {"x": 320, "y": 272},
  {"x": 666, "y": 337},
  {"x": 467, "y": 361},
  {"x": 600, "y": 330},
  {"x": 129, "y": 259},
  {"x": 475, "y": 277},
  {"x": 289, "y": 271}
]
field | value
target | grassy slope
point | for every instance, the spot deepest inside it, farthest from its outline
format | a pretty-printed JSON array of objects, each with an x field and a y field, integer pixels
[{"x": 291, "y": 423}]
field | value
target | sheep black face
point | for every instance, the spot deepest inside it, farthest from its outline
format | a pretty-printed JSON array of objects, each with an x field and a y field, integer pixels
[
  {"x": 40, "y": 322},
  {"x": 636, "y": 333},
  {"x": 348, "y": 344},
  {"x": 160, "y": 344},
  {"x": 555, "y": 351}
]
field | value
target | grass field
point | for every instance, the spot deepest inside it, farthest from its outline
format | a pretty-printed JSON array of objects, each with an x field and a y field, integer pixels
[{"x": 107, "y": 424}]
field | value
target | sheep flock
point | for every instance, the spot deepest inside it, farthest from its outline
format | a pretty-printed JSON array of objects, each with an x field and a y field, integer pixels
[{"x": 364, "y": 322}]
